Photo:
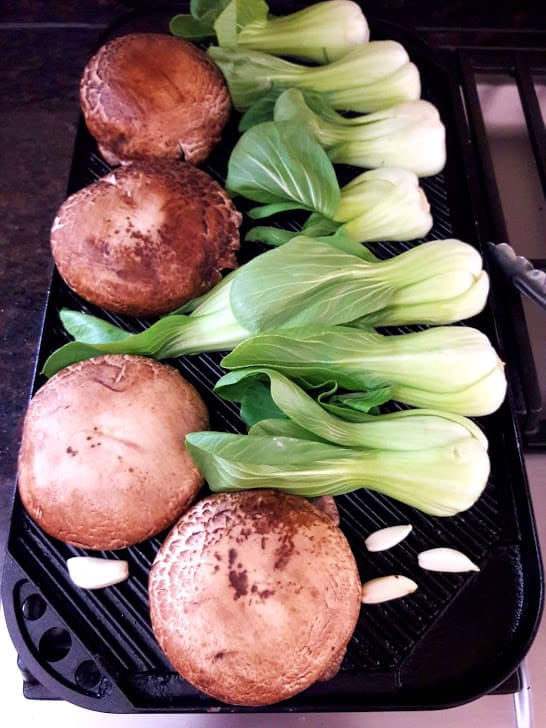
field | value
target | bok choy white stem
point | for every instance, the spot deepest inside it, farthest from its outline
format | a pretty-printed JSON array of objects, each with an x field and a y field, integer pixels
[
  {"x": 323, "y": 32},
  {"x": 286, "y": 287},
  {"x": 413, "y": 429},
  {"x": 408, "y": 135},
  {"x": 449, "y": 368},
  {"x": 440, "y": 481},
  {"x": 383, "y": 204},
  {"x": 373, "y": 76}
]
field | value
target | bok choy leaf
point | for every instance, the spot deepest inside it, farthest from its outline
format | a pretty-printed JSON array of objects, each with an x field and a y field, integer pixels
[
  {"x": 440, "y": 481},
  {"x": 449, "y": 368},
  {"x": 415, "y": 429},
  {"x": 199, "y": 24},
  {"x": 285, "y": 288},
  {"x": 322, "y": 32},
  {"x": 373, "y": 76},
  {"x": 280, "y": 164}
]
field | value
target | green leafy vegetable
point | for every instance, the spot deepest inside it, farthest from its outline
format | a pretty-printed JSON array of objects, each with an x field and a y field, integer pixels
[
  {"x": 200, "y": 23},
  {"x": 322, "y": 32},
  {"x": 281, "y": 165},
  {"x": 260, "y": 111},
  {"x": 285, "y": 288},
  {"x": 373, "y": 76},
  {"x": 440, "y": 481},
  {"x": 278, "y": 427},
  {"x": 205, "y": 9},
  {"x": 235, "y": 16},
  {"x": 384, "y": 204},
  {"x": 409, "y": 135},
  {"x": 449, "y": 368},
  {"x": 169, "y": 337},
  {"x": 406, "y": 430},
  {"x": 257, "y": 404},
  {"x": 91, "y": 328},
  {"x": 355, "y": 406}
]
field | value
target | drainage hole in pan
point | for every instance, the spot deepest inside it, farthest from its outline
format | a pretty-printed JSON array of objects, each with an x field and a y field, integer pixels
[
  {"x": 55, "y": 644},
  {"x": 33, "y": 607},
  {"x": 87, "y": 675}
]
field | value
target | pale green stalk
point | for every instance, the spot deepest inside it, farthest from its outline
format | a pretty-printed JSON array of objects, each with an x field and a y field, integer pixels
[
  {"x": 374, "y": 76},
  {"x": 384, "y": 204},
  {"x": 440, "y": 481},
  {"x": 446, "y": 294},
  {"x": 450, "y": 368},
  {"x": 322, "y": 32},
  {"x": 414, "y": 429},
  {"x": 408, "y": 135}
]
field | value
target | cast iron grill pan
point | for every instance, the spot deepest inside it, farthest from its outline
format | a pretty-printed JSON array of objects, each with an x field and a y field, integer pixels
[{"x": 458, "y": 637}]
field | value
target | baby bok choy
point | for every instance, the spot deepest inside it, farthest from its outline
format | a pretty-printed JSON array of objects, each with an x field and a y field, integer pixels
[
  {"x": 449, "y": 368},
  {"x": 373, "y": 76},
  {"x": 377, "y": 205},
  {"x": 286, "y": 287},
  {"x": 408, "y": 135},
  {"x": 412, "y": 429},
  {"x": 322, "y": 32},
  {"x": 440, "y": 481},
  {"x": 279, "y": 165},
  {"x": 383, "y": 204}
]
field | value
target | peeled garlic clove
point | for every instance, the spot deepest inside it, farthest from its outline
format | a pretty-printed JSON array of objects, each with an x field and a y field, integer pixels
[
  {"x": 445, "y": 559},
  {"x": 386, "y": 538},
  {"x": 385, "y": 588},
  {"x": 90, "y": 572}
]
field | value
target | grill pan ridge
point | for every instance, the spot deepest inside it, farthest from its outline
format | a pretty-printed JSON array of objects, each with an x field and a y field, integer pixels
[{"x": 96, "y": 649}]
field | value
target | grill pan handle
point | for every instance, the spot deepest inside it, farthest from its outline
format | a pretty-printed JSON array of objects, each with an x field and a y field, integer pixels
[{"x": 528, "y": 280}]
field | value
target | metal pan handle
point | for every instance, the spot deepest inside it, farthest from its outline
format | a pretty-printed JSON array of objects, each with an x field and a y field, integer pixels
[{"x": 528, "y": 280}]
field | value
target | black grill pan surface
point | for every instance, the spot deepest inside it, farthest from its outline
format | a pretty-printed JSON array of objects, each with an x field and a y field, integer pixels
[{"x": 458, "y": 637}]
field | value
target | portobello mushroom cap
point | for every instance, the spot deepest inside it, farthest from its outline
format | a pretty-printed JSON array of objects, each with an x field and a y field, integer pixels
[
  {"x": 254, "y": 596},
  {"x": 146, "y": 238},
  {"x": 153, "y": 95},
  {"x": 102, "y": 463}
]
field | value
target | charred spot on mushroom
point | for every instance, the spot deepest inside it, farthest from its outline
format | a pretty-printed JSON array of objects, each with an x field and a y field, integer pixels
[
  {"x": 283, "y": 552},
  {"x": 239, "y": 583}
]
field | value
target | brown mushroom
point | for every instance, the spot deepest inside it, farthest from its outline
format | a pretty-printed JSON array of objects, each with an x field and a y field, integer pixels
[
  {"x": 152, "y": 95},
  {"x": 146, "y": 238},
  {"x": 254, "y": 596},
  {"x": 102, "y": 462}
]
